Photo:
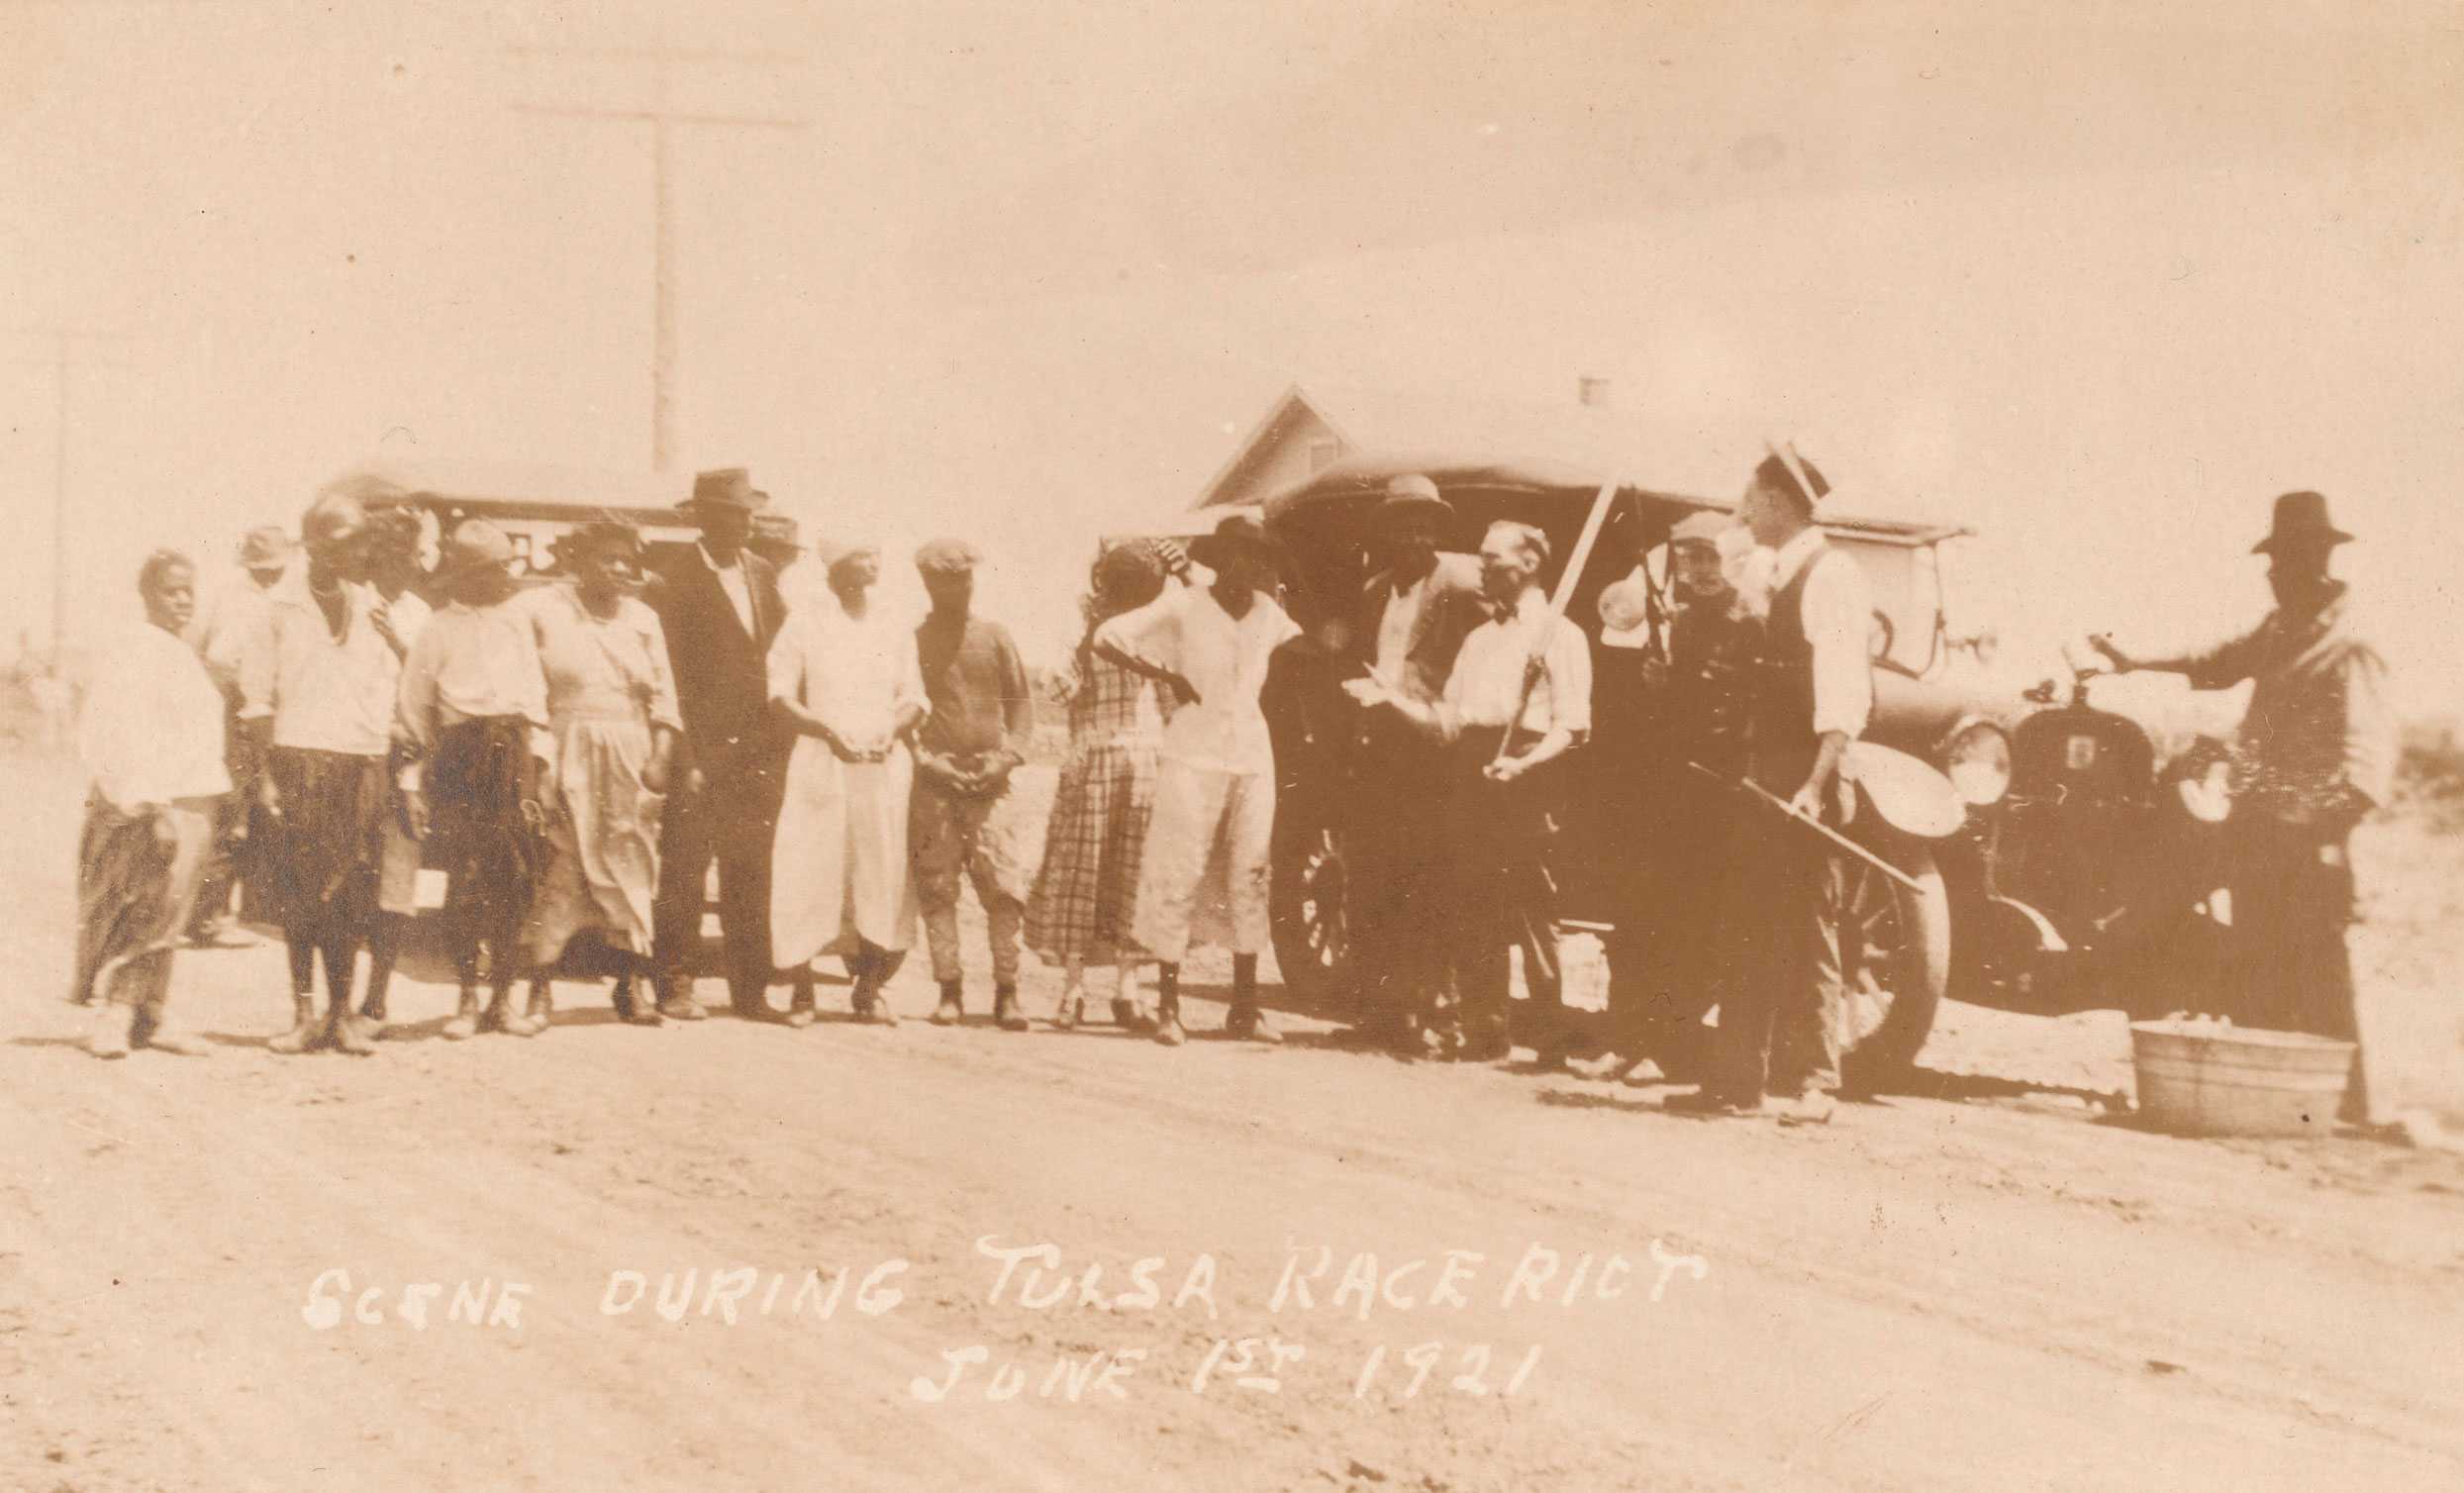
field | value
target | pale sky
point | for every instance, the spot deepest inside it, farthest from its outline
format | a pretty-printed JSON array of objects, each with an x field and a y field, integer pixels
[{"x": 2097, "y": 283}]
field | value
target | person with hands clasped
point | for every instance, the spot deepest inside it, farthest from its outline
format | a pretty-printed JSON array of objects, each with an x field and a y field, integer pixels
[
  {"x": 844, "y": 680},
  {"x": 961, "y": 824}
]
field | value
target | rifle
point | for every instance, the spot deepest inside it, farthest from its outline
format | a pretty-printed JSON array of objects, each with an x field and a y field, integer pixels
[
  {"x": 1557, "y": 605},
  {"x": 1765, "y": 795}
]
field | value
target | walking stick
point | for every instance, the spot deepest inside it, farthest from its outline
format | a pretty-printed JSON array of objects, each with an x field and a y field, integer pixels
[
  {"x": 1557, "y": 605},
  {"x": 1741, "y": 785}
]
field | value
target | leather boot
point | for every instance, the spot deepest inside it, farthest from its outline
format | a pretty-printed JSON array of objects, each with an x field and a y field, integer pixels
[
  {"x": 1168, "y": 1007},
  {"x": 675, "y": 1000},
  {"x": 499, "y": 1013},
  {"x": 110, "y": 1034},
  {"x": 302, "y": 1033},
  {"x": 952, "y": 1008},
  {"x": 534, "y": 1020},
  {"x": 1005, "y": 1014},
  {"x": 1244, "y": 1021},
  {"x": 465, "y": 1017},
  {"x": 342, "y": 1030},
  {"x": 621, "y": 998},
  {"x": 800, "y": 1003}
]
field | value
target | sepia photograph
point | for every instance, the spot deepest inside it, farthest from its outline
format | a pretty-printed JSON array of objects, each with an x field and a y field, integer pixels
[{"x": 1238, "y": 746}]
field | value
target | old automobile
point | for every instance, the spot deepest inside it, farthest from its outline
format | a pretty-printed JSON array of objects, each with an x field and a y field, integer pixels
[{"x": 2058, "y": 878}]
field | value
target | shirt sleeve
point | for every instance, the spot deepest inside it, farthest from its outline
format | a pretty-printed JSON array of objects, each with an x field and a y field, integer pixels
[
  {"x": 1018, "y": 703},
  {"x": 1569, "y": 679},
  {"x": 257, "y": 653},
  {"x": 1150, "y": 633},
  {"x": 786, "y": 662},
  {"x": 2228, "y": 662},
  {"x": 663, "y": 708},
  {"x": 109, "y": 742},
  {"x": 1839, "y": 616},
  {"x": 2370, "y": 733},
  {"x": 415, "y": 698},
  {"x": 910, "y": 688}
]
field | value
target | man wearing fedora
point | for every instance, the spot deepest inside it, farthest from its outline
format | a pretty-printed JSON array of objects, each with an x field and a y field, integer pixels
[
  {"x": 1413, "y": 618},
  {"x": 1215, "y": 779},
  {"x": 719, "y": 607},
  {"x": 2318, "y": 752}
]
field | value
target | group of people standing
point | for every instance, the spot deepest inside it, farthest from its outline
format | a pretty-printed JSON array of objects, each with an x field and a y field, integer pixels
[
  {"x": 325, "y": 733},
  {"x": 576, "y": 756}
]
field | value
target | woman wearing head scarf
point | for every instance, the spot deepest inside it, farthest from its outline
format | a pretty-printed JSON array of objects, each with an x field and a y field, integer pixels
[
  {"x": 151, "y": 737},
  {"x": 844, "y": 677},
  {"x": 1087, "y": 889},
  {"x": 612, "y": 708}
]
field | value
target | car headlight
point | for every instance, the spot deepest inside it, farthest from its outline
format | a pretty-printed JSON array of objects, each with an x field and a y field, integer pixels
[{"x": 1978, "y": 763}]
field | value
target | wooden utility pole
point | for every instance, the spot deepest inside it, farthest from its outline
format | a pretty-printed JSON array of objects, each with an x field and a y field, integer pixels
[
  {"x": 65, "y": 358},
  {"x": 664, "y": 119}
]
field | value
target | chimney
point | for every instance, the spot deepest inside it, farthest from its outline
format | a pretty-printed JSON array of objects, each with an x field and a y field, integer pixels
[{"x": 1591, "y": 391}]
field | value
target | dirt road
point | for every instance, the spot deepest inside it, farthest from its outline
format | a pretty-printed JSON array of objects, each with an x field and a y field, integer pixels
[{"x": 1928, "y": 1294}]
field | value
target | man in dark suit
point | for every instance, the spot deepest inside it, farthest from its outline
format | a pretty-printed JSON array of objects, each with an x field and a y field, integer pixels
[
  {"x": 1412, "y": 620},
  {"x": 719, "y": 606}
]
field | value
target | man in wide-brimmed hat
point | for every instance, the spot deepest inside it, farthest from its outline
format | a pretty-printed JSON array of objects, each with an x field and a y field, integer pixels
[
  {"x": 472, "y": 724},
  {"x": 1411, "y": 622},
  {"x": 719, "y": 607},
  {"x": 1217, "y": 777},
  {"x": 2317, "y": 751}
]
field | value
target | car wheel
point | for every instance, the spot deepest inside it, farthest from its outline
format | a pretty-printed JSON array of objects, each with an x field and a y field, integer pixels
[
  {"x": 1313, "y": 938},
  {"x": 1895, "y": 958}
]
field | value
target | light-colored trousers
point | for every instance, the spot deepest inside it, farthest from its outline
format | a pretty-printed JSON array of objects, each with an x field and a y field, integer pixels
[{"x": 1195, "y": 809}]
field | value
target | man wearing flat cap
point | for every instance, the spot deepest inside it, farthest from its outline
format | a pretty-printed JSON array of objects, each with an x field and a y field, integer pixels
[
  {"x": 1811, "y": 692},
  {"x": 719, "y": 605},
  {"x": 1413, "y": 618},
  {"x": 217, "y": 634},
  {"x": 962, "y": 823},
  {"x": 2316, "y": 753}
]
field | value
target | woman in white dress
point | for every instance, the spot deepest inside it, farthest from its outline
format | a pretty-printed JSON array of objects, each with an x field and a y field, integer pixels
[
  {"x": 612, "y": 708},
  {"x": 846, "y": 681}
]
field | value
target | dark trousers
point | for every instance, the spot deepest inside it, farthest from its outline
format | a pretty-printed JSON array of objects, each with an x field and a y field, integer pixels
[
  {"x": 1783, "y": 1008},
  {"x": 1667, "y": 964},
  {"x": 1504, "y": 894},
  {"x": 2292, "y": 899},
  {"x": 732, "y": 821},
  {"x": 1401, "y": 890}
]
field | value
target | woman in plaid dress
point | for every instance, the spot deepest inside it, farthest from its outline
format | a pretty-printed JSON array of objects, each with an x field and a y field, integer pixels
[{"x": 1087, "y": 889}]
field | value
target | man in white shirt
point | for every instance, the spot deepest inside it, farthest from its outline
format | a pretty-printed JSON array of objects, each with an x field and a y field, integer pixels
[
  {"x": 1215, "y": 777},
  {"x": 151, "y": 740},
  {"x": 1517, "y": 700},
  {"x": 1812, "y": 690},
  {"x": 317, "y": 696}
]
